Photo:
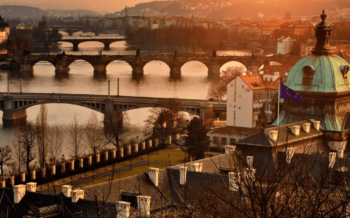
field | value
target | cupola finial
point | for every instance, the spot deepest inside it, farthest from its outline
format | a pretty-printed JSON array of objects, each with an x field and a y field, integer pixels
[{"x": 323, "y": 32}]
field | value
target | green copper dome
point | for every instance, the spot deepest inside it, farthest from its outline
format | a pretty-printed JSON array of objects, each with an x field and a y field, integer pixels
[
  {"x": 323, "y": 71},
  {"x": 320, "y": 73}
]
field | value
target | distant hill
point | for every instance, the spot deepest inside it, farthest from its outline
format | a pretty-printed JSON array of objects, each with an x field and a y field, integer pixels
[
  {"x": 64, "y": 13},
  {"x": 15, "y": 11},
  {"x": 278, "y": 9}
]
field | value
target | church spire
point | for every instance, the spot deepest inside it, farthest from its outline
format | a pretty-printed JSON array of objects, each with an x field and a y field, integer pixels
[{"x": 323, "y": 32}]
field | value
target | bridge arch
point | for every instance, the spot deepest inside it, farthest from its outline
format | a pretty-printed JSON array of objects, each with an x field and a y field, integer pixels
[
  {"x": 78, "y": 64},
  {"x": 123, "y": 66},
  {"x": 194, "y": 66},
  {"x": 233, "y": 65},
  {"x": 47, "y": 64},
  {"x": 160, "y": 64}
]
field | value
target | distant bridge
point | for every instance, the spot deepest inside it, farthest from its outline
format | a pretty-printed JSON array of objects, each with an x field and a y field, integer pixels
[
  {"x": 76, "y": 41},
  {"x": 137, "y": 63},
  {"x": 14, "y": 105}
]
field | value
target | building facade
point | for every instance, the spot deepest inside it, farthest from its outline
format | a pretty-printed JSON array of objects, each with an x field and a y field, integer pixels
[
  {"x": 4, "y": 30},
  {"x": 246, "y": 96}
]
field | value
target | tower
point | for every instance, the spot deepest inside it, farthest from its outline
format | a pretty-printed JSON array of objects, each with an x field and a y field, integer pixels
[{"x": 322, "y": 80}]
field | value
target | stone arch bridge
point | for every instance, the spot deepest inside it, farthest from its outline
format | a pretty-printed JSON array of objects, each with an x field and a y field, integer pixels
[
  {"x": 76, "y": 41},
  {"x": 14, "y": 105},
  {"x": 175, "y": 63}
]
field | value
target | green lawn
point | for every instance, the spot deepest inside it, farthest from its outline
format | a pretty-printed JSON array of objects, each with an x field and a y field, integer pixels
[{"x": 176, "y": 157}]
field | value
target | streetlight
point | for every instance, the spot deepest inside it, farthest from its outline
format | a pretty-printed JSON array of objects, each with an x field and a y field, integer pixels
[{"x": 64, "y": 166}]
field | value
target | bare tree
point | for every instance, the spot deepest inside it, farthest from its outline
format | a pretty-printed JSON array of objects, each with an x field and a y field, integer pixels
[
  {"x": 5, "y": 156},
  {"x": 76, "y": 133},
  {"x": 94, "y": 137},
  {"x": 218, "y": 88},
  {"x": 27, "y": 135},
  {"x": 19, "y": 151},
  {"x": 163, "y": 119},
  {"x": 42, "y": 134},
  {"x": 55, "y": 143}
]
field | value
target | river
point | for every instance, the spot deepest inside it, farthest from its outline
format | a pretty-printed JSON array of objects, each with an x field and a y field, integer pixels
[{"x": 156, "y": 82}]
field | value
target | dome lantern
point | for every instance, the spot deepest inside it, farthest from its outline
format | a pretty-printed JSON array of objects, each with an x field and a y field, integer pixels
[{"x": 323, "y": 32}]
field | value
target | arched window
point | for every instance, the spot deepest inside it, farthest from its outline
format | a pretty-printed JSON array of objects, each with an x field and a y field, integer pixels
[
  {"x": 308, "y": 75},
  {"x": 344, "y": 70}
]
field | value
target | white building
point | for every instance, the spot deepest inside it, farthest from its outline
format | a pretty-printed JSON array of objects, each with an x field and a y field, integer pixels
[
  {"x": 245, "y": 97},
  {"x": 285, "y": 45}
]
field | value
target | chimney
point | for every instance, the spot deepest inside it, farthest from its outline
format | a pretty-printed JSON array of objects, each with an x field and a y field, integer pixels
[
  {"x": 296, "y": 130},
  {"x": 250, "y": 161},
  {"x": 197, "y": 167},
  {"x": 306, "y": 127},
  {"x": 63, "y": 167},
  {"x": 67, "y": 190},
  {"x": 144, "y": 205},
  {"x": 183, "y": 174},
  {"x": 230, "y": 149},
  {"x": 273, "y": 135},
  {"x": 18, "y": 193},
  {"x": 340, "y": 153},
  {"x": 249, "y": 174},
  {"x": 114, "y": 153},
  {"x": 23, "y": 176},
  {"x": 276, "y": 73},
  {"x": 77, "y": 194},
  {"x": 123, "y": 209},
  {"x": 33, "y": 172},
  {"x": 317, "y": 125},
  {"x": 3, "y": 183},
  {"x": 153, "y": 174},
  {"x": 234, "y": 180},
  {"x": 31, "y": 186},
  {"x": 289, "y": 154},
  {"x": 332, "y": 156},
  {"x": 244, "y": 74}
]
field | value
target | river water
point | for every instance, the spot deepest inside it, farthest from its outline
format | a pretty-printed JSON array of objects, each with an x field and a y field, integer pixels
[{"x": 156, "y": 82}]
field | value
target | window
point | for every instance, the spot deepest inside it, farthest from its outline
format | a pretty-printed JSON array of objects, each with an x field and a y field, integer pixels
[
  {"x": 231, "y": 85},
  {"x": 215, "y": 140},
  {"x": 232, "y": 141},
  {"x": 223, "y": 141},
  {"x": 308, "y": 75},
  {"x": 255, "y": 84},
  {"x": 242, "y": 86}
]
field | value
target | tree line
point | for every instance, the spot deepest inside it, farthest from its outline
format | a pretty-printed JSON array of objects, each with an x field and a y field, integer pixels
[{"x": 194, "y": 39}]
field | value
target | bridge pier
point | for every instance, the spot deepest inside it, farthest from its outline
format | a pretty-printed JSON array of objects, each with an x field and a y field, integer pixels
[
  {"x": 75, "y": 46},
  {"x": 97, "y": 33},
  {"x": 113, "y": 120},
  {"x": 214, "y": 70},
  {"x": 10, "y": 115},
  {"x": 107, "y": 45},
  {"x": 70, "y": 33},
  {"x": 99, "y": 70},
  {"x": 26, "y": 68}
]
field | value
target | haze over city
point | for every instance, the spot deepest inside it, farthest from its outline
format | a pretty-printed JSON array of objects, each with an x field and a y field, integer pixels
[{"x": 183, "y": 108}]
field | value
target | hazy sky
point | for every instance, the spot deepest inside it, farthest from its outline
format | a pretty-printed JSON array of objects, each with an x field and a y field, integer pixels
[{"x": 95, "y": 5}]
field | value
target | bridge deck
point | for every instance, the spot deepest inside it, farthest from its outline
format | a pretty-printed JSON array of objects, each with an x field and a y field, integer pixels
[{"x": 115, "y": 98}]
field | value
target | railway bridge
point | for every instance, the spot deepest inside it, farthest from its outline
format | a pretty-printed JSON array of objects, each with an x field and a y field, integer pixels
[{"x": 14, "y": 105}]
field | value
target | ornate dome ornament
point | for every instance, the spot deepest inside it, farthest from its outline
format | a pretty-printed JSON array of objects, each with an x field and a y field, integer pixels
[{"x": 323, "y": 32}]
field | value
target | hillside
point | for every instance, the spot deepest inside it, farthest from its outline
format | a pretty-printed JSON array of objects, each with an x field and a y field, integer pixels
[
  {"x": 276, "y": 9},
  {"x": 15, "y": 11}
]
